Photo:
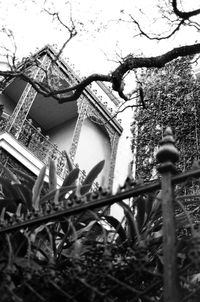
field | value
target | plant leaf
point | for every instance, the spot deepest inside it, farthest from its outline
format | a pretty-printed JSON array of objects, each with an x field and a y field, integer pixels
[
  {"x": 149, "y": 204},
  {"x": 10, "y": 174},
  {"x": 37, "y": 188},
  {"x": 52, "y": 175},
  {"x": 117, "y": 226},
  {"x": 92, "y": 175},
  {"x": 7, "y": 188},
  {"x": 71, "y": 177},
  {"x": 130, "y": 221},
  {"x": 19, "y": 244},
  {"x": 26, "y": 195},
  {"x": 15, "y": 192},
  {"x": 140, "y": 204},
  {"x": 10, "y": 205},
  {"x": 63, "y": 191},
  {"x": 27, "y": 178},
  {"x": 69, "y": 162}
]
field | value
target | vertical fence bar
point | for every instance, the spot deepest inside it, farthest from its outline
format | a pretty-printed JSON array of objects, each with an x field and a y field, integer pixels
[{"x": 167, "y": 155}]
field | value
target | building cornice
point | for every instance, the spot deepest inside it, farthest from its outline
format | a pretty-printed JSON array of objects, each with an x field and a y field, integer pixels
[
  {"x": 88, "y": 93},
  {"x": 103, "y": 111}
]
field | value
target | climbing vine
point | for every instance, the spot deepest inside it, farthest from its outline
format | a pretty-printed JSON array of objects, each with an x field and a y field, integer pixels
[{"x": 172, "y": 97}]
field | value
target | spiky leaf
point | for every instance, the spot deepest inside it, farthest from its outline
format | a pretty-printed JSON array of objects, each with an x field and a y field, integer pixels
[
  {"x": 25, "y": 194},
  {"x": 7, "y": 188},
  {"x": 63, "y": 191},
  {"x": 29, "y": 180},
  {"x": 52, "y": 175},
  {"x": 71, "y": 177},
  {"x": 37, "y": 188},
  {"x": 69, "y": 162},
  {"x": 130, "y": 221},
  {"x": 92, "y": 175},
  {"x": 149, "y": 204},
  {"x": 117, "y": 226},
  {"x": 9, "y": 174},
  {"x": 140, "y": 205}
]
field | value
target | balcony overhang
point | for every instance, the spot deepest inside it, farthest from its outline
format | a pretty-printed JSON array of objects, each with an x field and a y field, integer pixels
[{"x": 46, "y": 112}]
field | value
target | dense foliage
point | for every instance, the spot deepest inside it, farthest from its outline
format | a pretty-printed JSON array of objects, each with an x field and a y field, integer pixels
[
  {"x": 172, "y": 98},
  {"x": 91, "y": 256}
]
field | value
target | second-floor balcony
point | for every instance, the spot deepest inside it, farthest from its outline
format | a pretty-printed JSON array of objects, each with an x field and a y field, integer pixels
[
  {"x": 87, "y": 129},
  {"x": 40, "y": 145}
]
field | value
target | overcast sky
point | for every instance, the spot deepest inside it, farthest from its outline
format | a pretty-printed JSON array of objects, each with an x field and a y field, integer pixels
[{"x": 100, "y": 36}]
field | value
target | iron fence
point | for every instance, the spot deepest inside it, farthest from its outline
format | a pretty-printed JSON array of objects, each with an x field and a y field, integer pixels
[{"x": 126, "y": 276}]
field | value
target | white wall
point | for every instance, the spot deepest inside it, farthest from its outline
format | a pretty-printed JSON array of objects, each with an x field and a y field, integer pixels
[
  {"x": 124, "y": 153},
  {"x": 124, "y": 157},
  {"x": 62, "y": 135},
  {"x": 93, "y": 146}
]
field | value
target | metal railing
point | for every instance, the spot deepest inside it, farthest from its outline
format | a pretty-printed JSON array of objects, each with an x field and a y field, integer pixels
[{"x": 41, "y": 146}]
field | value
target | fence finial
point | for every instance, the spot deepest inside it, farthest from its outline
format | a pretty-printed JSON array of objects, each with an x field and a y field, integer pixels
[
  {"x": 167, "y": 151},
  {"x": 167, "y": 155}
]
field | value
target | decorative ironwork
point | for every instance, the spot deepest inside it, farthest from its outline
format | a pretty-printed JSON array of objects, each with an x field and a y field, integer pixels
[
  {"x": 97, "y": 199},
  {"x": 41, "y": 146},
  {"x": 82, "y": 110},
  {"x": 3, "y": 122},
  {"x": 26, "y": 100},
  {"x": 114, "y": 145},
  {"x": 167, "y": 155},
  {"x": 86, "y": 109},
  {"x": 59, "y": 80},
  {"x": 98, "y": 118},
  {"x": 82, "y": 177}
]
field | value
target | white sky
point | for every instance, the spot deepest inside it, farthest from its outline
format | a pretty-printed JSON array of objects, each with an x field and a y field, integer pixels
[{"x": 99, "y": 39}]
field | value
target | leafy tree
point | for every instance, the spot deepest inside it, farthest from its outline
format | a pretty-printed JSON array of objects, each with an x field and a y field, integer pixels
[{"x": 172, "y": 97}]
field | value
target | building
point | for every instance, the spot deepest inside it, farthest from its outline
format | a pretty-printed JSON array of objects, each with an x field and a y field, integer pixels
[{"x": 34, "y": 128}]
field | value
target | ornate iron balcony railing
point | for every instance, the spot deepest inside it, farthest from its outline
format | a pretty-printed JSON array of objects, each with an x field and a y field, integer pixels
[{"x": 41, "y": 146}]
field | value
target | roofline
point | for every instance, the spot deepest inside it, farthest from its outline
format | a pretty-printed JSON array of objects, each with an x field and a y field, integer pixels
[
  {"x": 87, "y": 91},
  {"x": 61, "y": 63}
]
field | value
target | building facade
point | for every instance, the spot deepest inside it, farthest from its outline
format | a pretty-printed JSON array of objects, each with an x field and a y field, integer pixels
[{"x": 34, "y": 128}]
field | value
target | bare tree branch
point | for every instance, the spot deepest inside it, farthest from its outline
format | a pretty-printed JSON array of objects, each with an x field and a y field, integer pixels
[
  {"x": 184, "y": 15},
  {"x": 116, "y": 77},
  {"x": 132, "y": 62},
  {"x": 71, "y": 30},
  {"x": 157, "y": 37}
]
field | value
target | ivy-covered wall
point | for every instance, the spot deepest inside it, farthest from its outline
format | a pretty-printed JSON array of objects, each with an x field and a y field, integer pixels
[{"x": 172, "y": 96}]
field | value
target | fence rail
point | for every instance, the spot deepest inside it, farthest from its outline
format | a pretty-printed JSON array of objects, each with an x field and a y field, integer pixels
[{"x": 98, "y": 199}]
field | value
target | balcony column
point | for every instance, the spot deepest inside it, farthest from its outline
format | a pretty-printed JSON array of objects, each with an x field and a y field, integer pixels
[
  {"x": 26, "y": 100},
  {"x": 114, "y": 144},
  {"x": 82, "y": 110}
]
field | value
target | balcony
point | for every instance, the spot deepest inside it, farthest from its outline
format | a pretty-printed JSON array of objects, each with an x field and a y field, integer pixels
[{"x": 40, "y": 145}]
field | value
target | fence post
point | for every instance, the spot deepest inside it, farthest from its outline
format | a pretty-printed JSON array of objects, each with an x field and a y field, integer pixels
[{"x": 166, "y": 156}]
